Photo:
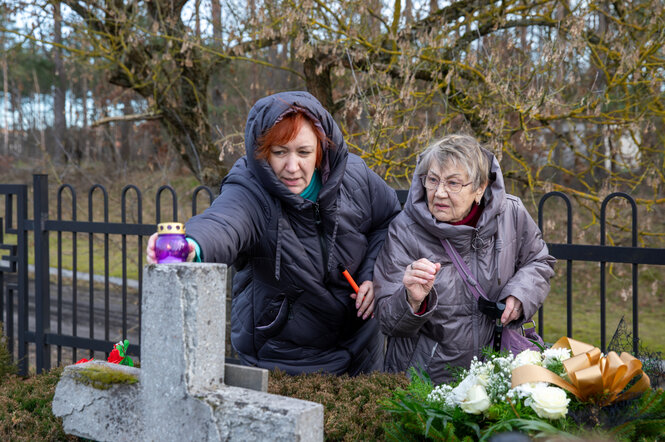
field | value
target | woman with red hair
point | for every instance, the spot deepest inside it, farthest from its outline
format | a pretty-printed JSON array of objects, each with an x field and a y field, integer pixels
[{"x": 291, "y": 212}]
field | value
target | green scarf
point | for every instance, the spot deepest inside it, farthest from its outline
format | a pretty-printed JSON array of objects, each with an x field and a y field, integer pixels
[{"x": 312, "y": 191}]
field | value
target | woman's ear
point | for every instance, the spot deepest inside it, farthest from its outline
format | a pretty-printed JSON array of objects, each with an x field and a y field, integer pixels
[{"x": 480, "y": 192}]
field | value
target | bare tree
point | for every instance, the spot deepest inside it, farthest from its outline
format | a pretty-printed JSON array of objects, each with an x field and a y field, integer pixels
[{"x": 548, "y": 85}]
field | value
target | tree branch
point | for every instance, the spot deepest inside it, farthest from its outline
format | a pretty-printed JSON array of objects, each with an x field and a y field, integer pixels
[{"x": 131, "y": 117}]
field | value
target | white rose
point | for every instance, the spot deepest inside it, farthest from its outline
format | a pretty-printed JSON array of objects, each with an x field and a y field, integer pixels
[
  {"x": 528, "y": 357},
  {"x": 549, "y": 402},
  {"x": 460, "y": 392},
  {"x": 483, "y": 379},
  {"x": 476, "y": 400},
  {"x": 555, "y": 354}
]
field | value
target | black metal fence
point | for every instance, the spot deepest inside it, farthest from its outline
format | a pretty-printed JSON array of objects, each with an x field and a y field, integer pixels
[
  {"x": 58, "y": 314},
  {"x": 65, "y": 314}
]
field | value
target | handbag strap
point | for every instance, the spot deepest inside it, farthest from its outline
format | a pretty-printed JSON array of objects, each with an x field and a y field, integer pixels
[
  {"x": 463, "y": 270},
  {"x": 473, "y": 286}
]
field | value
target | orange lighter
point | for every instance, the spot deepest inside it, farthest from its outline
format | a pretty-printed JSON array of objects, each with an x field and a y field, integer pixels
[{"x": 348, "y": 277}]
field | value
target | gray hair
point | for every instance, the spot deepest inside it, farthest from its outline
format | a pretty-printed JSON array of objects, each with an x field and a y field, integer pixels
[{"x": 463, "y": 151}]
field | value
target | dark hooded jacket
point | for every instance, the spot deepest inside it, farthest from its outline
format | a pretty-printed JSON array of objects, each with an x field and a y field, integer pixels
[
  {"x": 292, "y": 307},
  {"x": 506, "y": 253}
]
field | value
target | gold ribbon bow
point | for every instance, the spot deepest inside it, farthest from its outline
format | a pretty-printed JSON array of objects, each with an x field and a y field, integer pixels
[{"x": 592, "y": 377}]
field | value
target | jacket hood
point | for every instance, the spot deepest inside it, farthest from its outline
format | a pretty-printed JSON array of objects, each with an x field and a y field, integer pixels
[
  {"x": 494, "y": 199},
  {"x": 265, "y": 114}
]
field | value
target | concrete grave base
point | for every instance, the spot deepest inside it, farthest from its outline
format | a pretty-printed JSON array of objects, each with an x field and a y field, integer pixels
[{"x": 92, "y": 408}]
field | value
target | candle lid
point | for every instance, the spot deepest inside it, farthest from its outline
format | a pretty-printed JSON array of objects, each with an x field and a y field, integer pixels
[{"x": 166, "y": 228}]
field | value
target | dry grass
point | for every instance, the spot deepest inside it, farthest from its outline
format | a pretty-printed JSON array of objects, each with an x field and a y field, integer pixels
[
  {"x": 25, "y": 408},
  {"x": 352, "y": 405}
]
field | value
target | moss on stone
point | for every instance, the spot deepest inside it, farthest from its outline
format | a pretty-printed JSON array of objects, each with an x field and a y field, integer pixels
[{"x": 102, "y": 377}]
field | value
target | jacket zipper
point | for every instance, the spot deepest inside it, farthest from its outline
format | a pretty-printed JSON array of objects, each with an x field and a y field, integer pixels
[{"x": 322, "y": 239}]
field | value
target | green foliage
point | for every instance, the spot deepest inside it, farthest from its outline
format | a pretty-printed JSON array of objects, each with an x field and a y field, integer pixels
[
  {"x": 7, "y": 366},
  {"x": 413, "y": 417},
  {"x": 31, "y": 68},
  {"x": 645, "y": 417},
  {"x": 25, "y": 408}
]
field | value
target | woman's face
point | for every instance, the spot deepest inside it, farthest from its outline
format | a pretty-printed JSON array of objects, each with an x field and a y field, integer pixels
[
  {"x": 444, "y": 205},
  {"x": 294, "y": 162}
]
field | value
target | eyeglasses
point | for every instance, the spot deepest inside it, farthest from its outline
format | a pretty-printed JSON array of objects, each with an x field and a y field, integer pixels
[{"x": 432, "y": 183}]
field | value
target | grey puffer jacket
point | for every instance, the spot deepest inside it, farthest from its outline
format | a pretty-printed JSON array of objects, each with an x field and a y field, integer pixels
[
  {"x": 506, "y": 253},
  {"x": 292, "y": 307}
]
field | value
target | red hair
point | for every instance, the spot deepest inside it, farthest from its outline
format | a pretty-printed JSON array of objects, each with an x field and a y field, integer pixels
[{"x": 286, "y": 130}]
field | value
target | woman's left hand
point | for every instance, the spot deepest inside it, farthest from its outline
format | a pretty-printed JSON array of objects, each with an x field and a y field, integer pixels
[
  {"x": 365, "y": 299},
  {"x": 513, "y": 310}
]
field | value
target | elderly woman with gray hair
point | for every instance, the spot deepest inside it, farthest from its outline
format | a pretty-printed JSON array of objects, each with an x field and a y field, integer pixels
[{"x": 424, "y": 306}]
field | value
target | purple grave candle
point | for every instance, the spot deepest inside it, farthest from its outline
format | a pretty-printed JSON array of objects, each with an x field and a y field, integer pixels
[{"x": 171, "y": 245}]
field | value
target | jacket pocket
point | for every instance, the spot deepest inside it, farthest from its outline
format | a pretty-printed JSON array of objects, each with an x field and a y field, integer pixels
[{"x": 271, "y": 322}]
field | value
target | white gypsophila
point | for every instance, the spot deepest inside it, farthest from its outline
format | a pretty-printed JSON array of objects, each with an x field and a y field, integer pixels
[
  {"x": 528, "y": 357},
  {"x": 552, "y": 355},
  {"x": 440, "y": 393},
  {"x": 524, "y": 391},
  {"x": 476, "y": 366},
  {"x": 548, "y": 402},
  {"x": 481, "y": 370},
  {"x": 499, "y": 379}
]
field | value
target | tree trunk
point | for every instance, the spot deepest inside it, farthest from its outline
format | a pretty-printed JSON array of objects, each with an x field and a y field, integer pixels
[
  {"x": 59, "y": 118},
  {"x": 185, "y": 117},
  {"x": 5, "y": 102},
  {"x": 600, "y": 144},
  {"x": 85, "y": 142},
  {"x": 39, "y": 124},
  {"x": 319, "y": 82},
  {"x": 408, "y": 12},
  {"x": 197, "y": 19},
  {"x": 125, "y": 131},
  {"x": 216, "y": 9}
]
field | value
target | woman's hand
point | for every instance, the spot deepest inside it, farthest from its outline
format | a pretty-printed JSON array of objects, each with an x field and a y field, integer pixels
[
  {"x": 151, "y": 256},
  {"x": 365, "y": 299},
  {"x": 418, "y": 279},
  {"x": 513, "y": 310}
]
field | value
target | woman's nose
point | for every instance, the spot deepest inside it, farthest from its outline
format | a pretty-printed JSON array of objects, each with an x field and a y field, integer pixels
[
  {"x": 441, "y": 191},
  {"x": 292, "y": 163}
]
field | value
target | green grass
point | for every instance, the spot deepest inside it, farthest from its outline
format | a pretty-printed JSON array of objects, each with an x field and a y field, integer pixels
[
  {"x": 619, "y": 304},
  {"x": 25, "y": 408}
]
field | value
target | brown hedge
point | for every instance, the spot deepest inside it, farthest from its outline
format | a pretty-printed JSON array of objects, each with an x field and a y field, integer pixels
[{"x": 352, "y": 410}]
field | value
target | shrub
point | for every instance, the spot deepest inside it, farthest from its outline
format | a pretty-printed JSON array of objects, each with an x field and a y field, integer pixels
[
  {"x": 25, "y": 408},
  {"x": 7, "y": 366},
  {"x": 352, "y": 405}
]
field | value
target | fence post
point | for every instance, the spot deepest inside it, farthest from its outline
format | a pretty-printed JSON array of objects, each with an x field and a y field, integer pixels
[{"x": 42, "y": 283}]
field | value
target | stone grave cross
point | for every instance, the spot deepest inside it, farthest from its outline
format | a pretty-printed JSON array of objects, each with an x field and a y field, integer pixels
[{"x": 180, "y": 393}]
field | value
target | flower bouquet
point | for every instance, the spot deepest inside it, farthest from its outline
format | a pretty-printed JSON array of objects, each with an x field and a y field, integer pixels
[
  {"x": 117, "y": 356},
  {"x": 568, "y": 390}
]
